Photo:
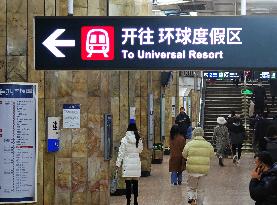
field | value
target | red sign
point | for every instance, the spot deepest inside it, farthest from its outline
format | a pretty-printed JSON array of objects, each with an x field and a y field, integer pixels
[{"x": 97, "y": 43}]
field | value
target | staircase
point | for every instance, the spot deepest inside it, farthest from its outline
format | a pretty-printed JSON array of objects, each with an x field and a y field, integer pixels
[
  {"x": 272, "y": 110},
  {"x": 220, "y": 98}
]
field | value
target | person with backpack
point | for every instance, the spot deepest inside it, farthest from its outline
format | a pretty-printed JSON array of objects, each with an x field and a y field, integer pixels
[
  {"x": 128, "y": 156},
  {"x": 176, "y": 160},
  {"x": 198, "y": 153},
  {"x": 237, "y": 136}
]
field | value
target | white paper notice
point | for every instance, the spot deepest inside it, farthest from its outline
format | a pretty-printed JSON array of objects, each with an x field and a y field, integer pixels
[
  {"x": 71, "y": 116},
  {"x": 18, "y": 106}
]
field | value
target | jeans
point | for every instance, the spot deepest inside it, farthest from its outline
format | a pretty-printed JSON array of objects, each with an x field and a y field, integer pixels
[
  {"x": 234, "y": 149},
  {"x": 176, "y": 177}
]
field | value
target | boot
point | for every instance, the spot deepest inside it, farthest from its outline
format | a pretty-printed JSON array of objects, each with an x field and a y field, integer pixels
[
  {"x": 135, "y": 200},
  {"x": 128, "y": 201},
  {"x": 220, "y": 162}
]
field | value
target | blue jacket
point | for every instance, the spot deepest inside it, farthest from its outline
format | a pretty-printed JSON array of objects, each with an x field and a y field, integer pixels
[{"x": 264, "y": 191}]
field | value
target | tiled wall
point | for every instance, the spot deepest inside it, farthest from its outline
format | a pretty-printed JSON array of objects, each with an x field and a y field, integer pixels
[{"x": 77, "y": 174}]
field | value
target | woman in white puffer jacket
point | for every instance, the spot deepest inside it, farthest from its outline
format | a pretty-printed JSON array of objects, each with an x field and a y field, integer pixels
[{"x": 130, "y": 148}]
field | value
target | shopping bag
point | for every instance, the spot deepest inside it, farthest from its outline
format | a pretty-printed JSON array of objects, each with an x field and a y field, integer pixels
[{"x": 114, "y": 183}]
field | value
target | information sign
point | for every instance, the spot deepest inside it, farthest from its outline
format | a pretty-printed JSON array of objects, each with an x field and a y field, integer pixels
[
  {"x": 71, "y": 116},
  {"x": 18, "y": 142},
  {"x": 156, "y": 43}
]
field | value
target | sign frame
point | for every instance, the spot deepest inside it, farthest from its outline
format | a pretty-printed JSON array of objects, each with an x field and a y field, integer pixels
[{"x": 36, "y": 143}]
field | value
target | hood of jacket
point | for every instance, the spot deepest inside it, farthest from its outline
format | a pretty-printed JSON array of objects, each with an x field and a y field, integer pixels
[
  {"x": 130, "y": 137},
  {"x": 198, "y": 138},
  {"x": 236, "y": 128}
]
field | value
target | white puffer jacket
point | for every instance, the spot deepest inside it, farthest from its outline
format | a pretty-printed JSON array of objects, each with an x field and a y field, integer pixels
[{"x": 129, "y": 154}]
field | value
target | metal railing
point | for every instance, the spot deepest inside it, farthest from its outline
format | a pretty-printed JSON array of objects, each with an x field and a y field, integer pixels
[{"x": 202, "y": 102}]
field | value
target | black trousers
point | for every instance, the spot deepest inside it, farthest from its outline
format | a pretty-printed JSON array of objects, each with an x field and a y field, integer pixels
[
  {"x": 234, "y": 149},
  {"x": 129, "y": 185}
]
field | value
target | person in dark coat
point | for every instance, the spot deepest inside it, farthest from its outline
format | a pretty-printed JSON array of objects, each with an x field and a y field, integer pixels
[
  {"x": 263, "y": 185},
  {"x": 259, "y": 95},
  {"x": 176, "y": 161},
  {"x": 237, "y": 136},
  {"x": 230, "y": 118},
  {"x": 183, "y": 121},
  {"x": 271, "y": 140},
  {"x": 273, "y": 89}
]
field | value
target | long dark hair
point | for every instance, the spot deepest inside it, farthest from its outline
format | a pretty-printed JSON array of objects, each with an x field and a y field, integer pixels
[
  {"x": 133, "y": 127},
  {"x": 175, "y": 130}
]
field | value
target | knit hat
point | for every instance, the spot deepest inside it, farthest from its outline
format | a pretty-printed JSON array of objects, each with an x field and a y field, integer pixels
[
  {"x": 198, "y": 131},
  {"x": 221, "y": 120}
]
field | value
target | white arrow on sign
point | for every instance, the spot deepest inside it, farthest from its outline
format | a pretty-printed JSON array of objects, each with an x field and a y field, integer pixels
[{"x": 52, "y": 43}]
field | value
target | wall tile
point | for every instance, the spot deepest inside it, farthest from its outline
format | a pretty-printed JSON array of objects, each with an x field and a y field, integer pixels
[
  {"x": 3, "y": 21},
  {"x": 64, "y": 83},
  {"x": 50, "y": 7},
  {"x": 63, "y": 198},
  {"x": 79, "y": 198},
  {"x": 17, "y": 27},
  {"x": 16, "y": 69},
  {"x": 93, "y": 142},
  {"x": 33, "y": 75},
  {"x": 49, "y": 178},
  {"x": 115, "y": 84},
  {"x": 79, "y": 142},
  {"x": 94, "y": 78},
  {"x": 51, "y": 85},
  {"x": 2, "y": 68},
  {"x": 80, "y": 87},
  {"x": 79, "y": 174},
  {"x": 65, "y": 143},
  {"x": 63, "y": 175},
  {"x": 61, "y": 6}
]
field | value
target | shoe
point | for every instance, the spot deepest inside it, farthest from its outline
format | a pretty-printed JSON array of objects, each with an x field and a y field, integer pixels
[
  {"x": 175, "y": 184},
  {"x": 220, "y": 162},
  {"x": 179, "y": 183},
  {"x": 235, "y": 158},
  {"x": 128, "y": 201},
  {"x": 135, "y": 201},
  {"x": 190, "y": 201},
  {"x": 238, "y": 162}
]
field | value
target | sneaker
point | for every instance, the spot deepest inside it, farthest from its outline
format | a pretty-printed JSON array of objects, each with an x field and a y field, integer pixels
[
  {"x": 238, "y": 162},
  {"x": 235, "y": 158}
]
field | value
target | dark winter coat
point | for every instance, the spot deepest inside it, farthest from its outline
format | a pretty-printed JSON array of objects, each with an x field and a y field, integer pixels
[
  {"x": 183, "y": 121},
  {"x": 259, "y": 95},
  {"x": 236, "y": 133},
  {"x": 273, "y": 87},
  {"x": 260, "y": 132},
  {"x": 271, "y": 147},
  {"x": 176, "y": 161},
  {"x": 264, "y": 191}
]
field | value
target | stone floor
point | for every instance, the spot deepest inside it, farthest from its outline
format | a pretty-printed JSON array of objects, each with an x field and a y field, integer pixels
[{"x": 223, "y": 186}]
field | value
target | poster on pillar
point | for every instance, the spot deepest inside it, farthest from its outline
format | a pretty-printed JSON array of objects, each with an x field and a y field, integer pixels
[
  {"x": 155, "y": 42},
  {"x": 18, "y": 142}
]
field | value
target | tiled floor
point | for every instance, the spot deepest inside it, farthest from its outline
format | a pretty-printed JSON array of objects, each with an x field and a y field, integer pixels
[{"x": 223, "y": 186}]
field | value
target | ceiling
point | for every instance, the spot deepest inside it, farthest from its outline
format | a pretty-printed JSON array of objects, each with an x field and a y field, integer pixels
[{"x": 215, "y": 7}]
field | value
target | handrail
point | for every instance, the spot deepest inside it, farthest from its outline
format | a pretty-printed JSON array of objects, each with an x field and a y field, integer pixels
[{"x": 202, "y": 102}]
